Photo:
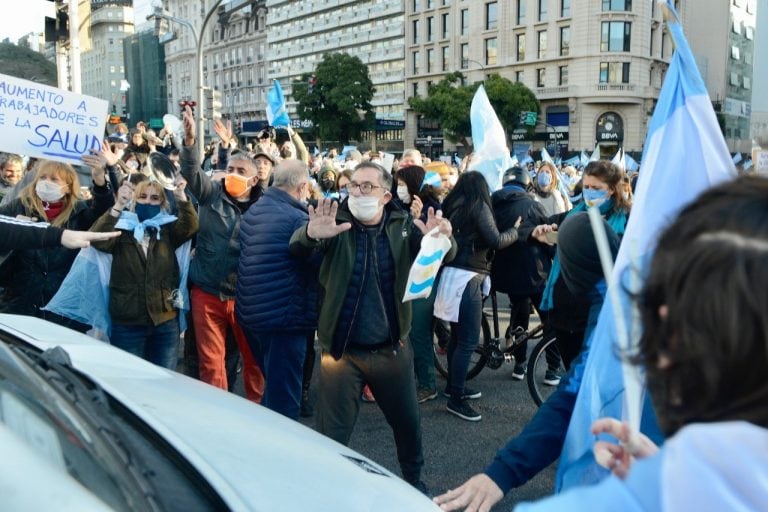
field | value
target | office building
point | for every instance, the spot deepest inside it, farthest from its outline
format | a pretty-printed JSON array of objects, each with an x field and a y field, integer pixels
[{"x": 144, "y": 59}]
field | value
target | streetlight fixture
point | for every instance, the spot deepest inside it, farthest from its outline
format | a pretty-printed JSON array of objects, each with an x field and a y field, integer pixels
[{"x": 159, "y": 12}]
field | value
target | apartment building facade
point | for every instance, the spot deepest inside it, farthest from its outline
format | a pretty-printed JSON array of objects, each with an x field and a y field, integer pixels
[
  {"x": 722, "y": 36},
  {"x": 102, "y": 68},
  {"x": 234, "y": 56},
  {"x": 596, "y": 66}
]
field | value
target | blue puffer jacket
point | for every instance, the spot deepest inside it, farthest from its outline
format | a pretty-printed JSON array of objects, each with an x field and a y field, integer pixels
[{"x": 276, "y": 291}]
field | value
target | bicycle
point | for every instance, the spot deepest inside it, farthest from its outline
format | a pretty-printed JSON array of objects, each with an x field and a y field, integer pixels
[{"x": 490, "y": 352}]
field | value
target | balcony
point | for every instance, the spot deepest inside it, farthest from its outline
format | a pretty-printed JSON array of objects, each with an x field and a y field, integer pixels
[
  {"x": 552, "y": 92},
  {"x": 615, "y": 87}
]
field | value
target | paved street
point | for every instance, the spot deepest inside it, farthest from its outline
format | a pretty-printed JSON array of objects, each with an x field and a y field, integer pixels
[{"x": 455, "y": 449}]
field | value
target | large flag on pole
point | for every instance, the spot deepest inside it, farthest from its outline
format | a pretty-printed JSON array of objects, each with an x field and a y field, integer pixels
[
  {"x": 491, "y": 155},
  {"x": 277, "y": 115},
  {"x": 683, "y": 130}
]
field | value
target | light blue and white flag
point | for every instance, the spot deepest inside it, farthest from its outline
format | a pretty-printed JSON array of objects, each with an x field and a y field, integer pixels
[
  {"x": 584, "y": 159},
  {"x": 277, "y": 115},
  {"x": 736, "y": 158},
  {"x": 595, "y": 156},
  {"x": 574, "y": 161},
  {"x": 619, "y": 160},
  {"x": 683, "y": 129},
  {"x": 631, "y": 163},
  {"x": 491, "y": 154},
  {"x": 748, "y": 165},
  {"x": 432, "y": 179},
  {"x": 546, "y": 157}
]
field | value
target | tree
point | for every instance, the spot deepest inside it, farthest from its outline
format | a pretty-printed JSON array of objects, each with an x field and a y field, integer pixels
[
  {"x": 24, "y": 63},
  {"x": 449, "y": 103},
  {"x": 336, "y": 98}
]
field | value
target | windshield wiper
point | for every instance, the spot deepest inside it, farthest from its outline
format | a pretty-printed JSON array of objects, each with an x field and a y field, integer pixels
[{"x": 55, "y": 366}]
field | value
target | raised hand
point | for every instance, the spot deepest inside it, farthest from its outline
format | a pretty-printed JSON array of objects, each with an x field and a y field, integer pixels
[
  {"x": 188, "y": 122},
  {"x": 434, "y": 220},
  {"x": 416, "y": 207},
  {"x": 178, "y": 192},
  {"x": 109, "y": 155},
  {"x": 97, "y": 163},
  {"x": 478, "y": 494},
  {"x": 619, "y": 457},
  {"x": 224, "y": 131},
  {"x": 322, "y": 220},
  {"x": 124, "y": 196}
]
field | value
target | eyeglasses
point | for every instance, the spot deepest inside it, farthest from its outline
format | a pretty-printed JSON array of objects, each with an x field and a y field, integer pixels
[{"x": 365, "y": 188}]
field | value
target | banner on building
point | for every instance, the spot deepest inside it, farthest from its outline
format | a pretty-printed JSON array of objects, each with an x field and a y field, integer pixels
[{"x": 46, "y": 122}]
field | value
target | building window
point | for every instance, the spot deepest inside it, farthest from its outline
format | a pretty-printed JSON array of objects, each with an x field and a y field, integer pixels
[
  {"x": 415, "y": 31},
  {"x": 415, "y": 91},
  {"x": 617, "y": 5},
  {"x": 543, "y": 10},
  {"x": 735, "y": 54},
  {"x": 614, "y": 72},
  {"x": 464, "y": 22},
  {"x": 446, "y": 57},
  {"x": 464, "y": 55},
  {"x": 430, "y": 27},
  {"x": 749, "y": 32},
  {"x": 736, "y": 27},
  {"x": 430, "y": 60},
  {"x": 519, "y": 75},
  {"x": 565, "y": 41},
  {"x": 520, "y": 13},
  {"x": 416, "y": 63},
  {"x": 491, "y": 16},
  {"x": 542, "y": 38},
  {"x": 111, "y": 69},
  {"x": 446, "y": 25},
  {"x": 562, "y": 79},
  {"x": 416, "y": 7},
  {"x": 565, "y": 8},
  {"x": 747, "y": 82},
  {"x": 490, "y": 51},
  {"x": 430, "y": 5},
  {"x": 734, "y": 78},
  {"x": 540, "y": 77},
  {"x": 615, "y": 36},
  {"x": 520, "y": 47}
]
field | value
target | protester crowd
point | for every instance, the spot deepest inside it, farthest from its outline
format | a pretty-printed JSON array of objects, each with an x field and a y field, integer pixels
[{"x": 262, "y": 251}]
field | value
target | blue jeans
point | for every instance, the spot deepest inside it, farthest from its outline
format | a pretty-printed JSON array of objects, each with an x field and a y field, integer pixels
[
  {"x": 280, "y": 356},
  {"x": 157, "y": 344},
  {"x": 465, "y": 335}
]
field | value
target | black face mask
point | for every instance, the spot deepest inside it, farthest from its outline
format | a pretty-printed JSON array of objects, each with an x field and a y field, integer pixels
[{"x": 327, "y": 183}]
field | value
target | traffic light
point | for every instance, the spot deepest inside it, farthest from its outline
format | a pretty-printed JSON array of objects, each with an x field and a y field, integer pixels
[
  {"x": 311, "y": 84},
  {"x": 212, "y": 103}
]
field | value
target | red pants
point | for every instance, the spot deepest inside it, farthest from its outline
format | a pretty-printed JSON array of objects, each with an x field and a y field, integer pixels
[{"x": 212, "y": 317}]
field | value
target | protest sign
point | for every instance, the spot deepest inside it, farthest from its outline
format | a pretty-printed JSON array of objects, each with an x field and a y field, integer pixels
[{"x": 46, "y": 122}]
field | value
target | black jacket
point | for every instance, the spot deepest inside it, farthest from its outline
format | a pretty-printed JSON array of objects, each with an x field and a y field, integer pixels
[
  {"x": 477, "y": 237},
  {"x": 523, "y": 267},
  {"x": 19, "y": 234},
  {"x": 34, "y": 275}
]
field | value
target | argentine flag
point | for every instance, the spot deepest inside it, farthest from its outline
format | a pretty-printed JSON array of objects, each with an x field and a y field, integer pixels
[
  {"x": 277, "y": 115},
  {"x": 684, "y": 154},
  {"x": 491, "y": 155}
]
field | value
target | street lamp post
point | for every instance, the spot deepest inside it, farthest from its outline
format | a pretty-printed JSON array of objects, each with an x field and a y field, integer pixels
[{"x": 198, "y": 37}]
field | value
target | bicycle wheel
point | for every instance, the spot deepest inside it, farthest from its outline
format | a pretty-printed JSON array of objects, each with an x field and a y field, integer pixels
[
  {"x": 540, "y": 363},
  {"x": 479, "y": 356}
]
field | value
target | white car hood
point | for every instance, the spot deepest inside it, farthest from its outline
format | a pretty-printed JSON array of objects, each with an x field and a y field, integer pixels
[{"x": 255, "y": 459}]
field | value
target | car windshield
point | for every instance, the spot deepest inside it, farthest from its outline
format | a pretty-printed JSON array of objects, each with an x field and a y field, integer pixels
[{"x": 81, "y": 431}]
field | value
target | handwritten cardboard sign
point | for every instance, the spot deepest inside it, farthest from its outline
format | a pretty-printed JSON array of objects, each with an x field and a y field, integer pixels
[{"x": 46, "y": 122}]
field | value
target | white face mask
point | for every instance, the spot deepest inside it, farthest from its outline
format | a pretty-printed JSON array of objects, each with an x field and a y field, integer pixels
[
  {"x": 48, "y": 191},
  {"x": 364, "y": 208},
  {"x": 402, "y": 193}
]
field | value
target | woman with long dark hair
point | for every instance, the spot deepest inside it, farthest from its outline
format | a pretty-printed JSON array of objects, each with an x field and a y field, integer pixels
[{"x": 466, "y": 279}]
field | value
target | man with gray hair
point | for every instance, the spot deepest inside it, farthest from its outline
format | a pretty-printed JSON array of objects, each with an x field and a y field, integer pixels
[
  {"x": 213, "y": 269},
  {"x": 276, "y": 301},
  {"x": 363, "y": 324}
]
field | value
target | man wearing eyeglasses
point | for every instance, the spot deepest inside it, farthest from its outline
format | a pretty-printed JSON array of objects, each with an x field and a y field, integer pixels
[{"x": 367, "y": 245}]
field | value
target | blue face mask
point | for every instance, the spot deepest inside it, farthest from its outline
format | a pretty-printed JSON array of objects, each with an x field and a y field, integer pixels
[
  {"x": 594, "y": 197},
  {"x": 343, "y": 193},
  {"x": 544, "y": 179},
  {"x": 146, "y": 211}
]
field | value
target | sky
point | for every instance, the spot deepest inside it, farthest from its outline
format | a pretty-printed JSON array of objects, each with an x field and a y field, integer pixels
[{"x": 31, "y": 18}]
